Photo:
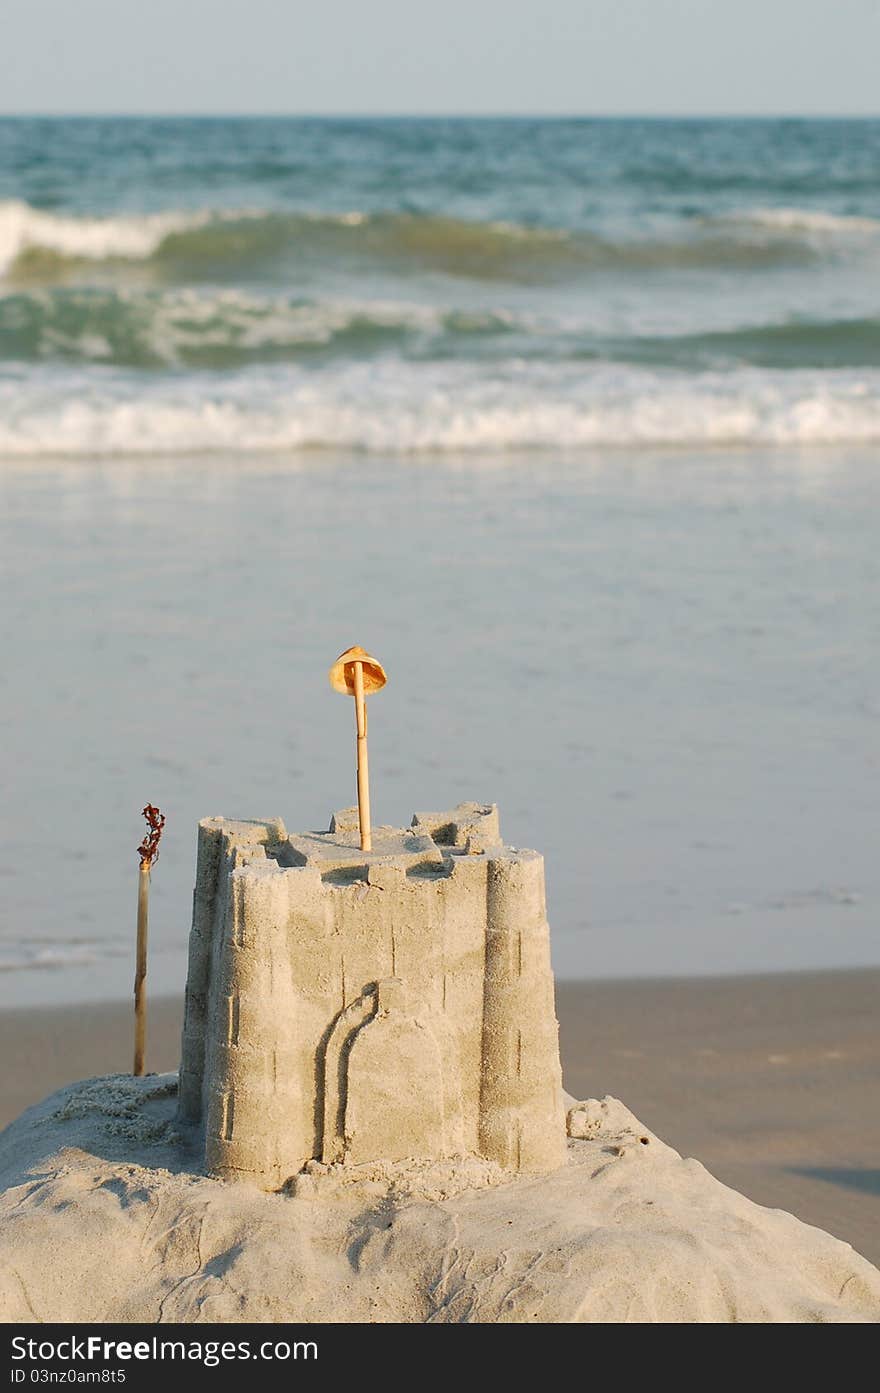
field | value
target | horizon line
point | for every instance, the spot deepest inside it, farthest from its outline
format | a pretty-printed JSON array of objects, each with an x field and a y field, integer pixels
[{"x": 361, "y": 115}]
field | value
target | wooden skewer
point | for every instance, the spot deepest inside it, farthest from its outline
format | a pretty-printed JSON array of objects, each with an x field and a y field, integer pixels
[
  {"x": 355, "y": 673},
  {"x": 363, "y": 767},
  {"x": 140, "y": 977}
]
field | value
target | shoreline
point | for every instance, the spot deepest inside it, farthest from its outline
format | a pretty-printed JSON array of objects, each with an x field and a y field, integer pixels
[{"x": 768, "y": 1079}]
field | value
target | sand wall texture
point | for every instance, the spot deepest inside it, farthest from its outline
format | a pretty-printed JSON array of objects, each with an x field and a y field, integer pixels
[
  {"x": 359, "y": 1006},
  {"x": 102, "y": 1181}
]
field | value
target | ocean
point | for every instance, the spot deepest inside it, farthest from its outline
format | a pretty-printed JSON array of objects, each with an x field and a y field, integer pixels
[
  {"x": 574, "y": 422},
  {"x": 413, "y": 285}
]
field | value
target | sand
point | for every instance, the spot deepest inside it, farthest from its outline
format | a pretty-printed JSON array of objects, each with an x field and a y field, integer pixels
[
  {"x": 770, "y": 1081},
  {"x": 101, "y": 1181}
]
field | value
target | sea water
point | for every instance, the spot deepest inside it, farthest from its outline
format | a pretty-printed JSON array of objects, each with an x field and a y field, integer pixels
[{"x": 573, "y": 422}]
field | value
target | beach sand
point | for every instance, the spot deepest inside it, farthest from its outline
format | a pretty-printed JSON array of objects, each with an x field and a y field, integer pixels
[
  {"x": 627, "y": 1230},
  {"x": 769, "y": 1081}
]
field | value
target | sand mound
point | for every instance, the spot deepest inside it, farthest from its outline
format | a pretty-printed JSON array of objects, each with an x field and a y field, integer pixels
[{"x": 103, "y": 1217}]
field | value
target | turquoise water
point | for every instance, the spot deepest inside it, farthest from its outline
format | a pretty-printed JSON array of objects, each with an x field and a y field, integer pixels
[{"x": 405, "y": 286}]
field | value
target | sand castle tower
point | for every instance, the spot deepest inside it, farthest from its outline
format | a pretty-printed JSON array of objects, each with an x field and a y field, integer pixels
[{"x": 351, "y": 1005}]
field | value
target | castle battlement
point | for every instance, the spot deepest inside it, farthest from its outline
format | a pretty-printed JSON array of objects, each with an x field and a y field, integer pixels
[{"x": 353, "y": 1006}]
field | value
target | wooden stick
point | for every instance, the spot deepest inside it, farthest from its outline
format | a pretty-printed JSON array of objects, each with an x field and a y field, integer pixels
[
  {"x": 140, "y": 976},
  {"x": 363, "y": 768}
]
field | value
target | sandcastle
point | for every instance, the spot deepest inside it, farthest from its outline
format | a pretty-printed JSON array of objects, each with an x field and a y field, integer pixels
[
  {"x": 353, "y": 1003},
  {"x": 370, "y": 1030},
  {"x": 350, "y": 1006}
]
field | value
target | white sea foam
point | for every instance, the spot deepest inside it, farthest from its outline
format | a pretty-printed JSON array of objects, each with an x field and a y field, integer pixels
[
  {"x": 809, "y": 220},
  {"x": 406, "y": 408},
  {"x": 23, "y": 228},
  {"x": 231, "y": 318},
  {"x": 226, "y": 327}
]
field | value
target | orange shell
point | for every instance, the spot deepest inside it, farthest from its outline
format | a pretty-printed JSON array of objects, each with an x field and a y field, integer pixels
[{"x": 342, "y": 672}]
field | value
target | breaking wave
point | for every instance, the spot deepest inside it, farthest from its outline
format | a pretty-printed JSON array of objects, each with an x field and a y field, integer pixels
[
  {"x": 229, "y": 329},
  {"x": 31, "y": 232},
  {"x": 210, "y": 244},
  {"x": 407, "y": 409},
  {"x": 224, "y": 328},
  {"x": 810, "y": 220}
]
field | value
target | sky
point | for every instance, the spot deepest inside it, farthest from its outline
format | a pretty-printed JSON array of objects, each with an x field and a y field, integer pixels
[{"x": 454, "y": 56}]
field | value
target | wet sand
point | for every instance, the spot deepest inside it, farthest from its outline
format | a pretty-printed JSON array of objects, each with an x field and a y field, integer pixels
[{"x": 770, "y": 1081}]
